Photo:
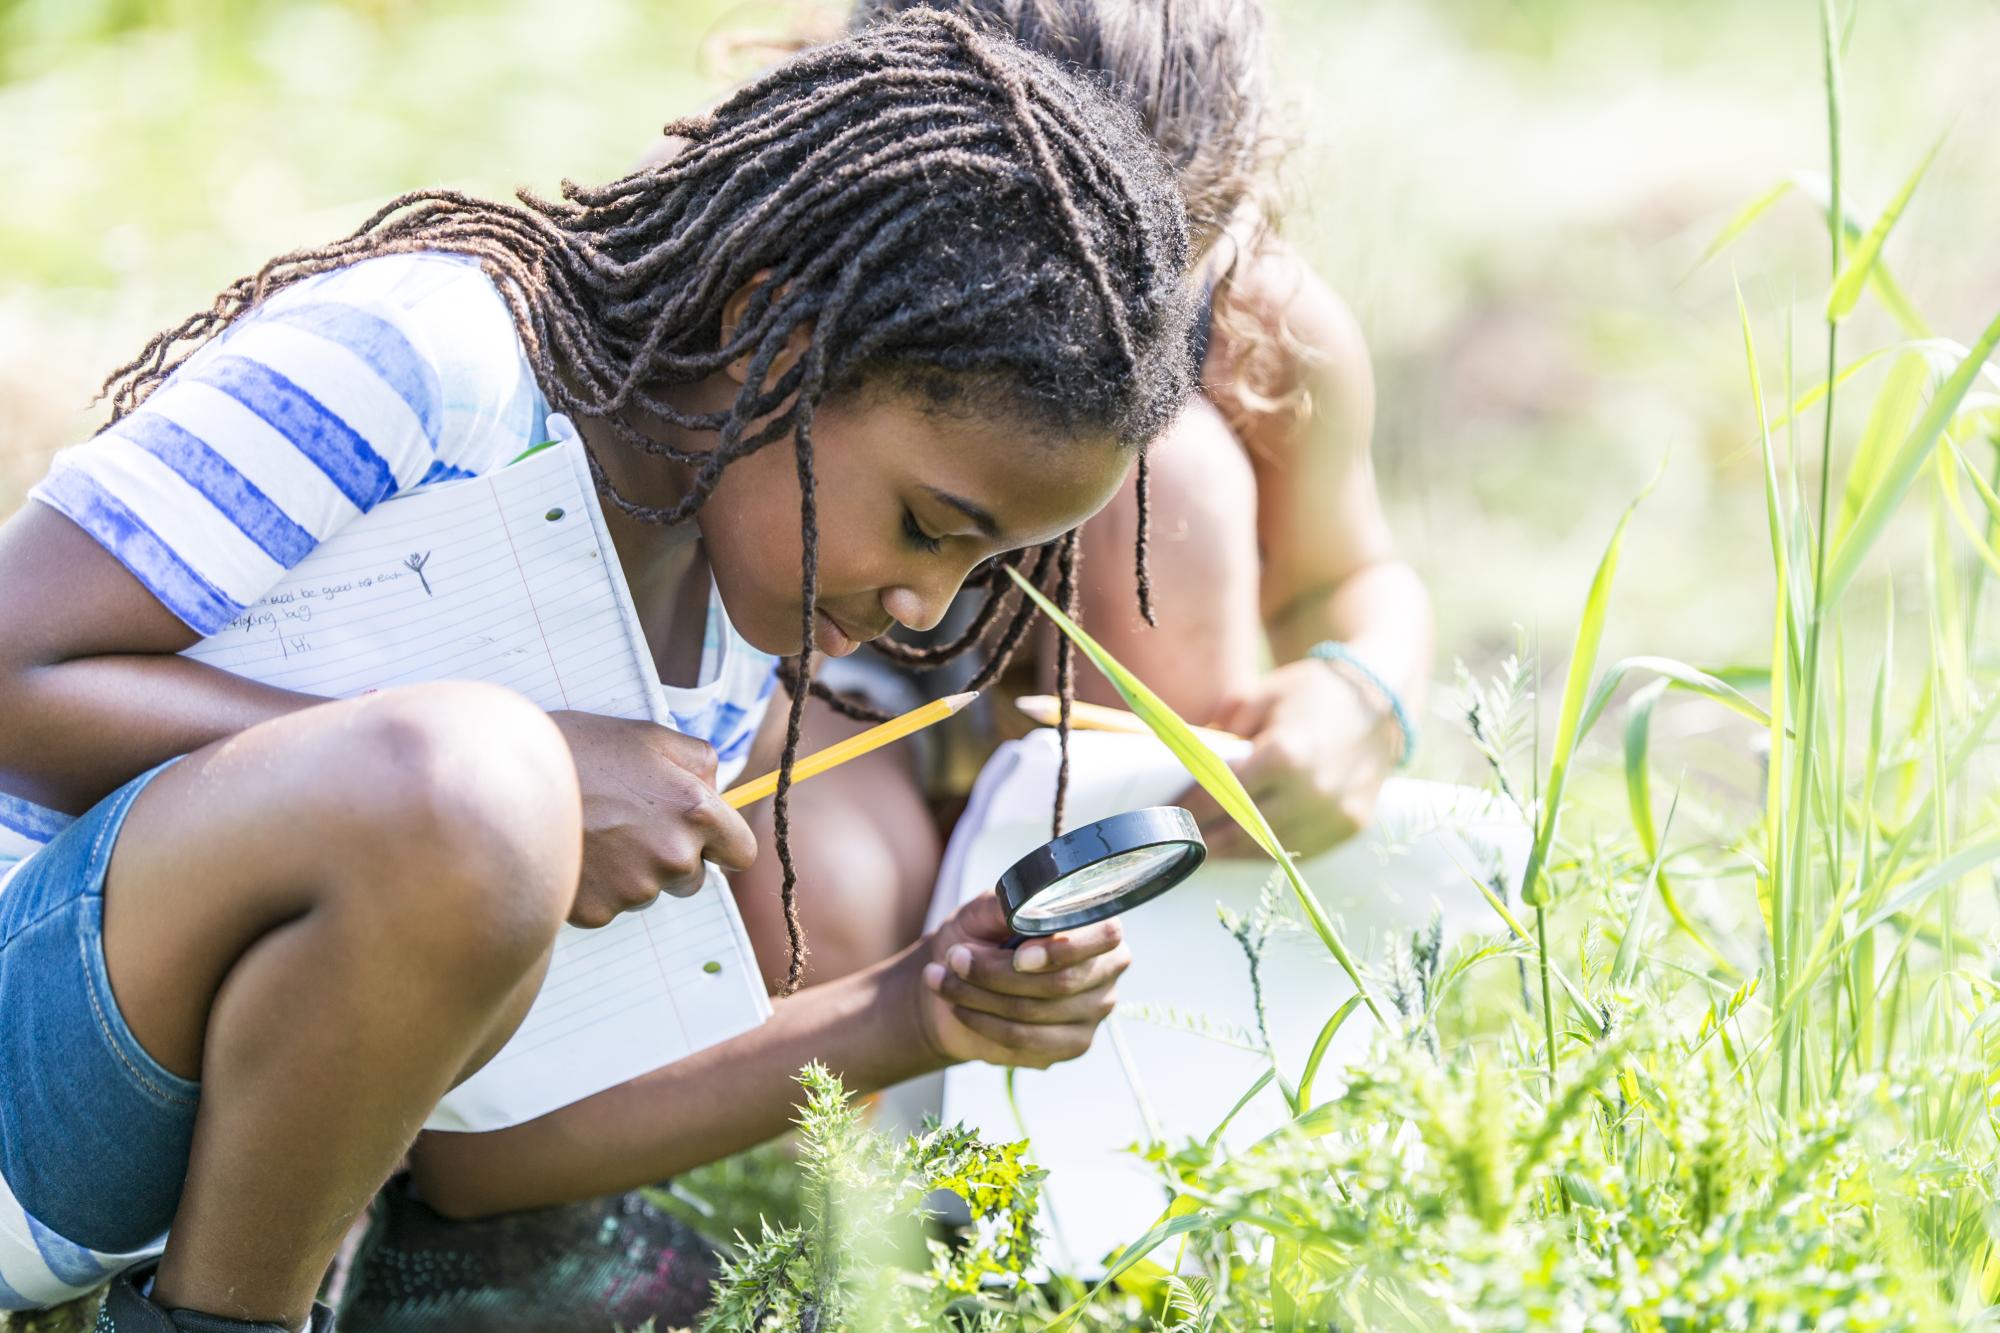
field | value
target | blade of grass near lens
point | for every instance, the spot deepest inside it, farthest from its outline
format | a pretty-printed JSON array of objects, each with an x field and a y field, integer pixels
[{"x": 1215, "y": 777}]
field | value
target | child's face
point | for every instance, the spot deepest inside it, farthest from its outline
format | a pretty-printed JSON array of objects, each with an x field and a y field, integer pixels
[{"x": 909, "y": 502}]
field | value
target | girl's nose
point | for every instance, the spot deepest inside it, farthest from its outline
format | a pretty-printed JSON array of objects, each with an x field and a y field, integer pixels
[{"x": 917, "y": 608}]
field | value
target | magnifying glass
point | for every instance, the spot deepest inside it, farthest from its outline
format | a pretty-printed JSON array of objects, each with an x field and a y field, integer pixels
[{"x": 1100, "y": 870}]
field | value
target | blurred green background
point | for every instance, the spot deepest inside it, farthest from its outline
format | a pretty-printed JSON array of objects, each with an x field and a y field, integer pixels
[{"x": 1510, "y": 193}]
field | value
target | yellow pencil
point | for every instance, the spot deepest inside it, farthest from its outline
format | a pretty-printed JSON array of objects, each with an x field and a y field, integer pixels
[
  {"x": 1046, "y": 708},
  {"x": 852, "y": 748}
]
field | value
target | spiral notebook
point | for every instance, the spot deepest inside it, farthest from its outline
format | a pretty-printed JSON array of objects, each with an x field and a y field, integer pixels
[{"x": 511, "y": 578}]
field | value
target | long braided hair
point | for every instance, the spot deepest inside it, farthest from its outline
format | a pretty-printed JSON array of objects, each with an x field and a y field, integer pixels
[{"x": 941, "y": 209}]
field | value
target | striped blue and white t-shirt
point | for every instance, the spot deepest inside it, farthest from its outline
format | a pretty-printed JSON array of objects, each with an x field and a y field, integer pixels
[{"x": 325, "y": 400}]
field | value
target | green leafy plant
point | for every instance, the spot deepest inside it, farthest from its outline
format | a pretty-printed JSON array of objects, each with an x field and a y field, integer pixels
[{"x": 853, "y": 1261}]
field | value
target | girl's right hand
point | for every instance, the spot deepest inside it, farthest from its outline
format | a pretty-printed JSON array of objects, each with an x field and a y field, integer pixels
[{"x": 651, "y": 815}]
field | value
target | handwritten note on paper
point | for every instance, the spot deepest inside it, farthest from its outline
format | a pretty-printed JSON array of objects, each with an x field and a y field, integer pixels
[{"x": 511, "y": 579}]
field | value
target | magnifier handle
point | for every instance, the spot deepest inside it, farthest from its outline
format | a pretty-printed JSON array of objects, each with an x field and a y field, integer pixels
[{"x": 1016, "y": 941}]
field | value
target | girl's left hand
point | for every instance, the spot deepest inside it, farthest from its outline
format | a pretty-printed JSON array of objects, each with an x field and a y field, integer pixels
[
  {"x": 1036, "y": 1005},
  {"x": 1323, "y": 748}
]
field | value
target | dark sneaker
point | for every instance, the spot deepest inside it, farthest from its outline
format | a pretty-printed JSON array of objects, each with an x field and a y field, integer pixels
[
  {"x": 588, "y": 1267},
  {"x": 126, "y": 1311}
]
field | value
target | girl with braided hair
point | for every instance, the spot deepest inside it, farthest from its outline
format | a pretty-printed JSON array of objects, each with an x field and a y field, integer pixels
[
  {"x": 902, "y": 308},
  {"x": 1279, "y": 608},
  {"x": 1268, "y": 550}
]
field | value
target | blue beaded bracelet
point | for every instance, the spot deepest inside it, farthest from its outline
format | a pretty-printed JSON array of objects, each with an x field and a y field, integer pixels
[{"x": 1333, "y": 650}]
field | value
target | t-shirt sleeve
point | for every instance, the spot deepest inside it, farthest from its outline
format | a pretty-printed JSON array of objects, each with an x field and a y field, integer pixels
[{"x": 306, "y": 413}]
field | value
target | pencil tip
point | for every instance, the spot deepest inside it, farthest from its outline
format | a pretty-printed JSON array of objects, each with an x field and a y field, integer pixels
[{"x": 958, "y": 701}]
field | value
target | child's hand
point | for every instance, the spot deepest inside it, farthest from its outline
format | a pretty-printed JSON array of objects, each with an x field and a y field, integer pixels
[
  {"x": 1036, "y": 1005},
  {"x": 1321, "y": 753},
  {"x": 651, "y": 815}
]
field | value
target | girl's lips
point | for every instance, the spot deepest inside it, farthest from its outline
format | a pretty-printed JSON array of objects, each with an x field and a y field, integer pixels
[{"x": 830, "y": 638}]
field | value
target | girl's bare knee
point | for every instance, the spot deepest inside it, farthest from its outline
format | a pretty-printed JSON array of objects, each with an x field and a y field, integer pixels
[{"x": 462, "y": 800}]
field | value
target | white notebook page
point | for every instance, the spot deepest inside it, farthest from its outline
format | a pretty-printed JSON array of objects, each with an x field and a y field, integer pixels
[{"x": 512, "y": 579}]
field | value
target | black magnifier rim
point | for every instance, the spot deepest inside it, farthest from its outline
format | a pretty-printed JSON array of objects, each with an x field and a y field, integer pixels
[{"x": 1134, "y": 830}]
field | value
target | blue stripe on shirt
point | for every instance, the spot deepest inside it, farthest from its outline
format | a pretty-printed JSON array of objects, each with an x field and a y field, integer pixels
[
  {"x": 71, "y": 1263},
  {"x": 234, "y": 495},
  {"x": 443, "y": 471},
  {"x": 30, "y": 820},
  {"x": 379, "y": 343},
  {"x": 349, "y": 461},
  {"x": 180, "y": 588}
]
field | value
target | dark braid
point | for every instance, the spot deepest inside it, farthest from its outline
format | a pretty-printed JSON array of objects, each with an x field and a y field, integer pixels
[
  {"x": 1141, "y": 568},
  {"x": 940, "y": 212},
  {"x": 781, "y": 811},
  {"x": 1066, "y": 598}
]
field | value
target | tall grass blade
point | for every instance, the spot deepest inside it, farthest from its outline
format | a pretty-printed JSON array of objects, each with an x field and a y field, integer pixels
[
  {"x": 1770, "y": 884},
  {"x": 1741, "y": 223},
  {"x": 1811, "y": 398},
  {"x": 1897, "y": 477},
  {"x": 1674, "y": 673},
  {"x": 1576, "y": 688},
  {"x": 1948, "y": 462},
  {"x": 1319, "y": 1047},
  {"x": 1896, "y": 406},
  {"x": 1939, "y": 876},
  {"x": 1215, "y": 777},
  {"x": 1887, "y": 290},
  {"x": 1131, "y": 1255},
  {"x": 1840, "y": 302},
  {"x": 1639, "y": 798}
]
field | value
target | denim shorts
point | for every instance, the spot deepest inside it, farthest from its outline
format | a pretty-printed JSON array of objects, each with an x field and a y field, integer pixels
[{"x": 94, "y": 1133}]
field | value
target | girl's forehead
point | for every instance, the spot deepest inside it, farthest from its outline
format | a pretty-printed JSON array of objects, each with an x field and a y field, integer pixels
[{"x": 1019, "y": 482}]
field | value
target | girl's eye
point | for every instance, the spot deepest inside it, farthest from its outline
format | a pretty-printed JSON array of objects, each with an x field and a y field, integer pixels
[{"x": 918, "y": 538}]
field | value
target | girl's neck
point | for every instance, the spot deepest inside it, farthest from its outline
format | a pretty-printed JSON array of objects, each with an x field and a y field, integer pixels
[{"x": 665, "y": 567}]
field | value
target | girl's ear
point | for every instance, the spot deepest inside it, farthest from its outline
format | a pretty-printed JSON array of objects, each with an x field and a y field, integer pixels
[{"x": 732, "y": 317}]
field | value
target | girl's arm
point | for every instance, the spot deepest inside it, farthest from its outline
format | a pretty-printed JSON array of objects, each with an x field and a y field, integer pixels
[
  {"x": 1330, "y": 565},
  {"x": 92, "y": 692},
  {"x": 1327, "y": 736},
  {"x": 914, "y": 1013}
]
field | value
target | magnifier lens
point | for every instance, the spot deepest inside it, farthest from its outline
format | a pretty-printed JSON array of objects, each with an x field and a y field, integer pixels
[{"x": 1099, "y": 882}]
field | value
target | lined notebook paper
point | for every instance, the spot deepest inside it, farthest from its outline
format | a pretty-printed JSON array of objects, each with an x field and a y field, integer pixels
[{"x": 512, "y": 579}]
